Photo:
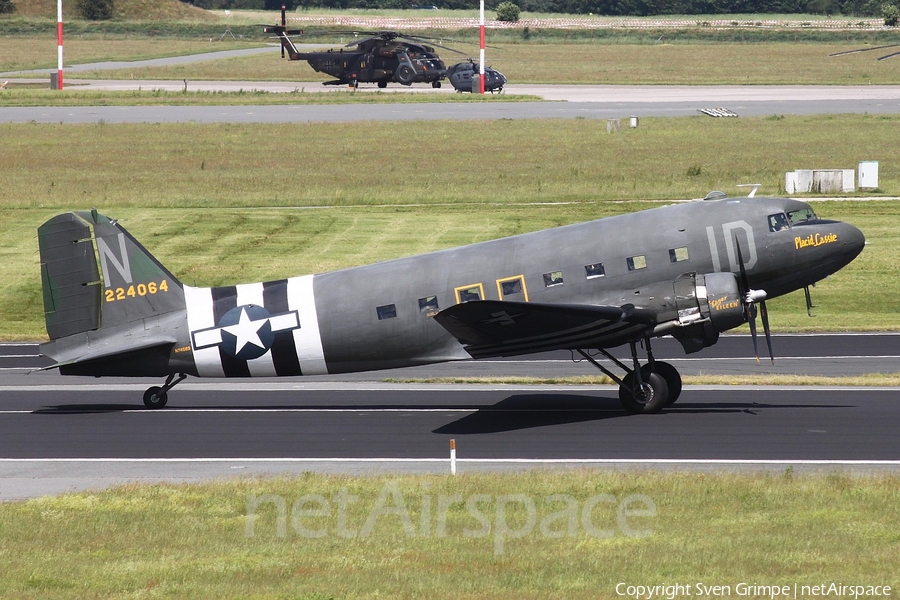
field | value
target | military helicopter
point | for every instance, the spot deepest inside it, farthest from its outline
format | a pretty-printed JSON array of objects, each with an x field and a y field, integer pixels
[
  {"x": 462, "y": 75},
  {"x": 381, "y": 58}
]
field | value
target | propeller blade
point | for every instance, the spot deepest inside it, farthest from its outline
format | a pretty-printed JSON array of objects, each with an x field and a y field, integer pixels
[
  {"x": 765, "y": 321},
  {"x": 751, "y": 319},
  {"x": 744, "y": 282}
]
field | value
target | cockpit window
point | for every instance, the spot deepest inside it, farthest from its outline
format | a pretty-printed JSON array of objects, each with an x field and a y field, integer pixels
[
  {"x": 778, "y": 221},
  {"x": 804, "y": 214}
]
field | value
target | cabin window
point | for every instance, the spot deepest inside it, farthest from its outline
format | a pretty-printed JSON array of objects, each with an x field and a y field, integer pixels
[
  {"x": 804, "y": 214},
  {"x": 678, "y": 254},
  {"x": 553, "y": 278},
  {"x": 593, "y": 271},
  {"x": 429, "y": 306},
  {"x": 512, "y": 286},
  {"x": 637, "y": 262},
  {"x": 778, "y": 221},
  {"x": 388, "y": 311},
  {"x": 469, "y": 293}
]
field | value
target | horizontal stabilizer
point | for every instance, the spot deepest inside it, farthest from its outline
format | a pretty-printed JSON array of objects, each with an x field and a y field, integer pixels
[
  {"x": 495, "y": 328},
  {"x": 146, "y": 356}
]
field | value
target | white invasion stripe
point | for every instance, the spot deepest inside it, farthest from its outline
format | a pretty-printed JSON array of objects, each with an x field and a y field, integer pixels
[
  {"x": 307, "y": 339},
  {"x": 200, "y": 315},
  {"x": 252, "y": 293}
]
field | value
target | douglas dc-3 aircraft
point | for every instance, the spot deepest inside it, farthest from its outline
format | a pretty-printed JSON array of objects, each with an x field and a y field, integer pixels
[{"x": 688, "y": 270}]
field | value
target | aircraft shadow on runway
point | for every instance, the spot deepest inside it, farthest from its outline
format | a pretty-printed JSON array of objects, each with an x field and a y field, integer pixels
[
  {"x": 524, "y": 411},
  {"x": 519, "y": 411}
]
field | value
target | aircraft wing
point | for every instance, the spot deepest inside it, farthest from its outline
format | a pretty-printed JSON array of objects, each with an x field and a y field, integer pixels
[{"x": 495, "y": 328}]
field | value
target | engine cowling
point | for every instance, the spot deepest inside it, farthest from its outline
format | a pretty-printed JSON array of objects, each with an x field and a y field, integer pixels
[{"x": 708, "y": 304}]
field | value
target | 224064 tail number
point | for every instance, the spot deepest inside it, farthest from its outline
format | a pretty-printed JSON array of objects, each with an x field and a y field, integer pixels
[{"x": 133, "y": 291}]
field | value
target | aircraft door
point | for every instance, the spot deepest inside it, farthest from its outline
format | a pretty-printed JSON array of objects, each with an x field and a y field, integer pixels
[{"x": 512, "y": 289}]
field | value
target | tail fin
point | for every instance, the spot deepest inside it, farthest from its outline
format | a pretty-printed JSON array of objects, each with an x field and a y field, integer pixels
[{"x": 104, "y": 294}]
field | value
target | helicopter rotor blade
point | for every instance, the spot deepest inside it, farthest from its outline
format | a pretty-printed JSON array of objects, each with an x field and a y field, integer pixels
[
  {"x": 865, "y": 50},
  {"x": 888, "y": 55}
]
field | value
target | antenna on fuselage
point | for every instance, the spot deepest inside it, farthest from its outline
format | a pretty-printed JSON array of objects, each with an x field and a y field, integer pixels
[{"x": 755, "y": 187}]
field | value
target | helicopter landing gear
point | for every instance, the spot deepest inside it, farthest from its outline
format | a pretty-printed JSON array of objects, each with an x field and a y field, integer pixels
[
  {"x": 436, "y": 84},
  {"x": 643, "y": 389},
  {"x": 405, "y": 74},
  {"x": 382, "y": 83},
  {"x": 156, "y": 396}
]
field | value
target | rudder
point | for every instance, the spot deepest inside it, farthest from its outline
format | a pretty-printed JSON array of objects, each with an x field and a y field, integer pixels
[{"x": 95, "y": 275}]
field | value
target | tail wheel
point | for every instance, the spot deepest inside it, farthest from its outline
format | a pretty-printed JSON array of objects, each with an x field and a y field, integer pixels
[
  {"x": 672, "y": 377},
  {"x": 651, "y": 397},
  {"x": 154, "y": 397}
]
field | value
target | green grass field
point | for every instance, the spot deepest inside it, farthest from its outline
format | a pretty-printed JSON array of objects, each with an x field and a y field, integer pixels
[
  {"x": 235, "y": 203},
  {"x": 601, "y": 62},
  {"x": 565, "y": 535}
]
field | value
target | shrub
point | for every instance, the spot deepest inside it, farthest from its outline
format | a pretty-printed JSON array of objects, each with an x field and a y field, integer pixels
[
  {"x": 891, "y": 14},
  {"x": 7, "y": 6},
  {"x": 507, "y": 11},
  {"x": 95, "y": 10}
]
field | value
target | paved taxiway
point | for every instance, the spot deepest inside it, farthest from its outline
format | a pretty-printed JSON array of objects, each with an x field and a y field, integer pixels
[
  {"x": 640, "y": 101},
  {"x": 81, "y": 433}
]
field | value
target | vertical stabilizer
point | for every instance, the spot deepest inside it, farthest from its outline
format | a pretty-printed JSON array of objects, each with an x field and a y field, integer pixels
[{"x": 109, "y": 306}]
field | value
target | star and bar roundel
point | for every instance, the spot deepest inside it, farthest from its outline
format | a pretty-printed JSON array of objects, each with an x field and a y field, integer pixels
[
  {"x": 263, "y": 329},
  {"x": 246, "y": 332}
]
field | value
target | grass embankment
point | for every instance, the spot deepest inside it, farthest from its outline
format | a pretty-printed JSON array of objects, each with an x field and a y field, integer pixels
[
  {"x": 210, "y": 200},
  {"x": 600, "y": 62},
  {"x": 570, "y": 535}
]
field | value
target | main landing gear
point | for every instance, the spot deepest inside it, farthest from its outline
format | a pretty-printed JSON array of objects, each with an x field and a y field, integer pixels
[
  {"x": 156, "y": 396},
  {"x": 643, "y": 389}
]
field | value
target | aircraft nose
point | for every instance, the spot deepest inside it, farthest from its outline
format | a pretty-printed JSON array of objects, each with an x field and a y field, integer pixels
[{"x": 852, "y": 240}]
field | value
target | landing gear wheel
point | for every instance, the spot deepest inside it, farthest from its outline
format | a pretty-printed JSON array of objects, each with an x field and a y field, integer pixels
[
  {"x": 382, "y": 83},
  {"x": 650, "y": 398},
  {"x": 436, "y": 84},
  {"x": 405, "y": 74},
  {"x": 155, "y": 398},
  {"x": 673, "y": 380}
]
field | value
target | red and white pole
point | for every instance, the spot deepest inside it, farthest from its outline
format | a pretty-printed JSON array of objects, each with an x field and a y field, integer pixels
[
  {"x": 59, "y": 41},
  {"x": 481, "y": 53},
  {"x": 453, "y": 457}
]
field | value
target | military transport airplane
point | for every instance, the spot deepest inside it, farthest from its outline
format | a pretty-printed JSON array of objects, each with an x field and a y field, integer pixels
[{"x": 688, "y": 270}]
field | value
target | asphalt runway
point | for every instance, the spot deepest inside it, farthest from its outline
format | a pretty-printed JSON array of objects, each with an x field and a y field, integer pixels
[
  {"x": 82, "y": 433},
  {"x": 632, "y": 103}
]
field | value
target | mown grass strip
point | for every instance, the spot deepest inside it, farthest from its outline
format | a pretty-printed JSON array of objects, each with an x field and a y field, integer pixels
[
  {"x": 25, "y": 94},
  {"x": 536, "y": 534}
]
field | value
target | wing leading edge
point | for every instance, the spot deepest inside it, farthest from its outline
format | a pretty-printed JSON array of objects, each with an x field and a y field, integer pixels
[{"x": 490, "y": 328}]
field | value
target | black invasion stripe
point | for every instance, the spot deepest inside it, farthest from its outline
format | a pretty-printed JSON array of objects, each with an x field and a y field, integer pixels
[
  {"x": 224, "y": 299},
  {"x": 284, "y": 352}
]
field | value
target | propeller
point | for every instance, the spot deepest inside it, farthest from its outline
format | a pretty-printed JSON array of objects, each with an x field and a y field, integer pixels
[{"x": 750, "y": 299}]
